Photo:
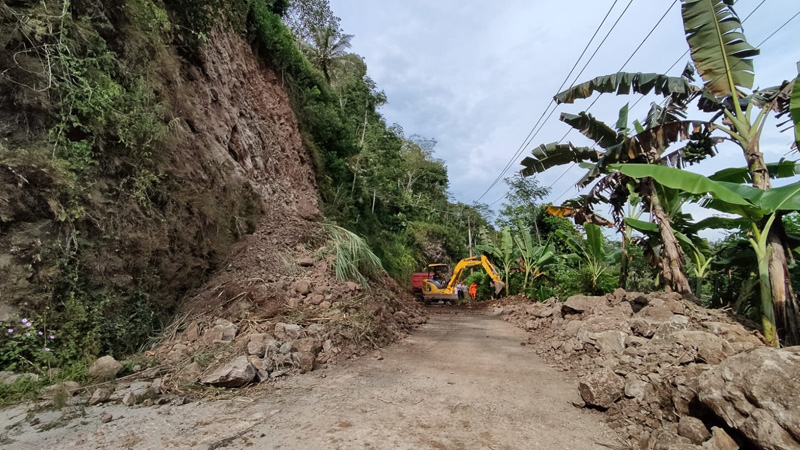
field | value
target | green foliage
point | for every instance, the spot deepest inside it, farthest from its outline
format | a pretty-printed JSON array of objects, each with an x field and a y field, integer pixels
[
  {"x": 484, "y": 282},
  {"x": 354, "y": 259}
]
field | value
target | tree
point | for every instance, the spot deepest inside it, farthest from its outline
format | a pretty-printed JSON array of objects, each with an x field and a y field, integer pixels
[
  {"x": 504, "y": 251},
  {"x": 327, "y": 48},
  {"x": 664, "y": 126},
  {"x": 758, "y": 206},
  {"x": 535, "y": 257},
  {"x": 723, "y": 58},
  {"x": 522, "y": 204},
  {"x": 305, "y": 16}
]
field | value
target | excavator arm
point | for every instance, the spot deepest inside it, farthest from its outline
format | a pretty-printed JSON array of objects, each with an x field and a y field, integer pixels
[{"x": 472, "y": 262}]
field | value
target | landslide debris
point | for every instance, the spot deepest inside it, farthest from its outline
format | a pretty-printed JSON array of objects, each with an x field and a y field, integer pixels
[{"x": 668, "y": 373}]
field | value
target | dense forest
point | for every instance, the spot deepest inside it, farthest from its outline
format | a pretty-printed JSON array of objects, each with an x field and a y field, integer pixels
[{"x": 92, "y": 209}]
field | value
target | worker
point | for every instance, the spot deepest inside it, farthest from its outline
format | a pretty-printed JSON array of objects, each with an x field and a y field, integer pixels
[
  {"x": 473, "y": 291},
  {"x": 460, "y": 290}
]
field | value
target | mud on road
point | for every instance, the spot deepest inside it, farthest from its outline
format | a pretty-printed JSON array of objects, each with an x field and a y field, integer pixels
[{"x": 463, "y": 381}]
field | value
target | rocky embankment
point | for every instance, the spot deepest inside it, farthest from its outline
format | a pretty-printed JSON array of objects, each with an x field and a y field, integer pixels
[{"x": 668, "y": 373}]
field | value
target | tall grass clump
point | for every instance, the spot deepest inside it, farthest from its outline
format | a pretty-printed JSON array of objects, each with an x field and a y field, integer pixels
[{"x": 354, "y": 261}]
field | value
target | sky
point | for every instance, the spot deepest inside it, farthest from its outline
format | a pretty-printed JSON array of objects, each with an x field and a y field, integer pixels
[{"x": 477, "y": 75}]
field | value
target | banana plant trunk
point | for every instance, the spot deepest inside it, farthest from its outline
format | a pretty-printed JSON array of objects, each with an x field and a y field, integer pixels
[
  {"x": 671, "y": 255},
  {"x": 624, "y": 263},
  {"x": 784, "y": 299}
]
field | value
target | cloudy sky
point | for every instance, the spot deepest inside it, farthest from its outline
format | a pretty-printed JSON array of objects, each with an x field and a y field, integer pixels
[{"x": 476, "y": 75}]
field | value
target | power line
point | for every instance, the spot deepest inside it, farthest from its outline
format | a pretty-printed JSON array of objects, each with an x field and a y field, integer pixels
[
  {"x": 680, "y": 58},
  {"x": 726, "y": 72},
  {"x": 531, "y": 134},
  {"x": 639, "y": 47}
]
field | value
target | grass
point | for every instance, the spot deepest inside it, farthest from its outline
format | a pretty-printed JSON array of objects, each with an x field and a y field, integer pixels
[{"x": 354, "y": 261}]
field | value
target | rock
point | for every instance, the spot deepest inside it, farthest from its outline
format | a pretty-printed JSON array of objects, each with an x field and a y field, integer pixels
[
  {"x": 543, "y": 312},
  {"x": 286, "y": 348},
  {"x": 302, "y": 287},
  {"x": 129, "y": 399},
  {"x": 758, "y": 394},
  {"x": 668, "y": 440},
  {"x": 316, "y": 299},
  {"x": 294, "y": 302},
  {"x": 223, "y": 331},
  {"x": 655, "y": 313},
  {"x": 305, "y": 261},
  {"x": 635, "y": 388},
  {"x": 137, "y": 368},
  {"x": 665, "y": 329},
  {"x": 147, "y": 402},
  {"x": 635, "y": 341},
  {"x": 263, "y": 367},
  {"x": 643, "y": 327},
  {"x": 610, "y": 341},
  {"x": 190, "y": 373},
  {"x": 287, "y": 332},
  {"x": 67, "y": 387},
  {"x": 693, "y": 429},
  {"x": 579, "y": 304},
  {"x": 306, "y": 361},
  {"x": 325, "y": 305},
  {"x": 310, "y": 345},
  {"x": 100, "y": 395},
  {"x": 105, "y": 368},
  {"x": 8, "y": 378},
  {"x": 236, "y": 373},
  {"x": 257, "y": 345},
  {"x": 601, "y": 388},
  {"x": 572, "y": 327},
  {"x": 106, "y": 417},
  {"x": 720, "y": 440},
  {"x": 351, "y": 286}
]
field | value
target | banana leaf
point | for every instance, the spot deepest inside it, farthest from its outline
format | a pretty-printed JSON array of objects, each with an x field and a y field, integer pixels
[
  {"x": 684, "y": 181},
  {"x": 594, "y": 129},
  {"x": 721, "y": 54},
  {"x": 623, "y": 83},
  {"x": 550, "y": 155},
  {"x": 781, "y": 169}
]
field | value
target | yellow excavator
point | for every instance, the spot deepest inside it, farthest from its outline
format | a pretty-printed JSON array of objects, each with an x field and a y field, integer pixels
[{"x": 433, "y": 289}]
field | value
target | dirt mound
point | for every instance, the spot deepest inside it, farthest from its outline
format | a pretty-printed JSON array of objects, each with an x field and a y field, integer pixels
[{"x": 664, "y": 369}]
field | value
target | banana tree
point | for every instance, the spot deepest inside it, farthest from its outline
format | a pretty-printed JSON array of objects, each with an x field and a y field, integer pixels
[
  {"x": 505, "y": 254},
  {"x": 723, "y": 58},
  {"x": 663, "y": 127},
  {"x": 634, "y": 212},
  {"x": 592, "y": 252},
  {"x": 535, "y": 257},
  {"x": 758, "y": 206}
]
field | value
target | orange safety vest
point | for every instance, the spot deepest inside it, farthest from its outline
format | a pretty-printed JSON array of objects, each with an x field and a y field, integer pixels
[{"x": 473, "y": 290}]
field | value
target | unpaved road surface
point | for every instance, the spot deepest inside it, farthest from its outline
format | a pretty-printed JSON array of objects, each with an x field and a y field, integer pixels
[{"x": 463, "y": 381}]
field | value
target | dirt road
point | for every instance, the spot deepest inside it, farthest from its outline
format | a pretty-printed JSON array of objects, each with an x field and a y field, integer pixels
[{"x": 463, "y": 381}]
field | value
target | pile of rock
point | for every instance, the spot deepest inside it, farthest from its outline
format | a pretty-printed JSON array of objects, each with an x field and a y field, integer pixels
[
  {"x": 288, "y": 348},
  {"x": 669, "y": 373}
]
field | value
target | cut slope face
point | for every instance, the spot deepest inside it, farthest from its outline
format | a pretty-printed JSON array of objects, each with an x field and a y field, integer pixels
[{"x": 275, "y": 300}]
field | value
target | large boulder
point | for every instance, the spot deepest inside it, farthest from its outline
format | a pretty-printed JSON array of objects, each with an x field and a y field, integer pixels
[
  {"x": 105, "y": 368},
  {"x": 758, "y": 394},
  {"x": 236, "y": 373},
  {"x": 579, "y": 304},
  {"x": 602, "y": 388}
]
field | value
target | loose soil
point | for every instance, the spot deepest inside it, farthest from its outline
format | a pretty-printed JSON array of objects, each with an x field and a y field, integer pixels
[{"x": 463, "y": 380}]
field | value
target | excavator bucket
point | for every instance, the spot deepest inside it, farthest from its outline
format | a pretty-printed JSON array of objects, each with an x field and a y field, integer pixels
[{"x": 498, "y": 287}]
